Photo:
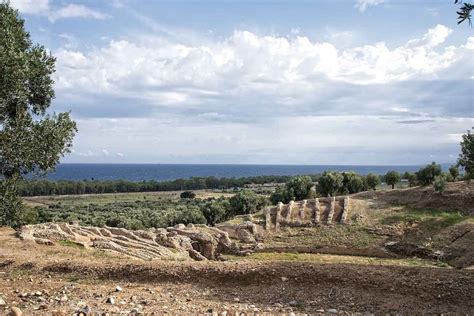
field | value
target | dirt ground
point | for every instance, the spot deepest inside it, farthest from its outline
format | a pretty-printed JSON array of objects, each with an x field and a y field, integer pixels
[{"x": 63, "y": 280}]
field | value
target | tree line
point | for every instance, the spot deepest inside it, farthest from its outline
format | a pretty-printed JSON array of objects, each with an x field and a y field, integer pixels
[{"x": 68, "y": 187}]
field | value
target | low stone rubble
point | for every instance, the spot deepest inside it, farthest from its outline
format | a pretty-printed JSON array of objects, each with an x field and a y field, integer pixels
[{"x": 181, "y": 242}]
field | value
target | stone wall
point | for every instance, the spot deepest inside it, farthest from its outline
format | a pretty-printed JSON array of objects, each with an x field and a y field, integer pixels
[{"x": 312, "y": 212}]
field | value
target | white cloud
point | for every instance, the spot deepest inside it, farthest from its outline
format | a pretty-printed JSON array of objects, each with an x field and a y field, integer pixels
[
  {"x": 43, "y": 8},
  {"x": 362, "y": 5},
  {"x": 243, "y": 98},
  {"x": 162, "y": 71},
  {"x": 75, "y": 11},
  {"x": 31, "y": 6}
]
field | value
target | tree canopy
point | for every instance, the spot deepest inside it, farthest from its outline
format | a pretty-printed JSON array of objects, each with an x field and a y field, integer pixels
[
  {"x": 31, "y": 140},
  {"x": 466, "y": 157}
]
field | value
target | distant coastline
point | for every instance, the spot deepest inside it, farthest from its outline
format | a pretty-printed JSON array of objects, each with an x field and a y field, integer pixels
[{"x": 163, "y": 172}]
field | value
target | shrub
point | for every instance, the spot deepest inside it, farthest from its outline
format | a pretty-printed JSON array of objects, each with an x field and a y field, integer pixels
[
  {"x": 439, "y": 183},
  {"x": 246, "y": 202},
  {"x": 352, "y": 183},
  {"x": 329, "y": 183},
  {"x": 411, "y": 177},
  {"x": 216, "y": 211},
  {"x": 187, "y": 195},
  {"x": 299, "y": 188},
  {"x": 372, "y": 181},
  {"x": 427, "y": 174},
  {"x": 466, "y": 157},
  {"x": 454, "y": 172}
]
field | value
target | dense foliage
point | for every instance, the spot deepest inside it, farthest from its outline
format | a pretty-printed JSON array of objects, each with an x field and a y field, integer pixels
[
  {"x": 45, "y": 187},
  {"x": 372, "y": 180},
  {"x": 439, "y": 183},
  {"x": 187, "y": 195},
  {"x": 246, "y": 202},
  {"x": 427, "y": 174},
  {"x": 330, "y": 183},
  {"x": 30, "y": 139},
  {"x": 466, "y": 157},
  {"x": 144, "y": 213},
  {"x": 297, "y": 188},
  {"x": 392, "y": 178}
]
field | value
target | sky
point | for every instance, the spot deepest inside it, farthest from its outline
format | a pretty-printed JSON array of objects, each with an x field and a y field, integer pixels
[{"x": 359, "y": 82}]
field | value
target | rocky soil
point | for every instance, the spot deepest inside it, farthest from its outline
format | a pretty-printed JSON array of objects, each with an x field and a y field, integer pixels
[{"x": 220, "y": 287}]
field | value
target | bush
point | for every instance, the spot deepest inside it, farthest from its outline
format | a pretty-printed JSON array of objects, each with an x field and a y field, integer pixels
[
  {"x": 466, "y": 157},
  {"x": 352, "y": 183},
  {"x": 187, "y": 195},
  {"x": 280, "y": 195},
  {"x": 439, "y": 183},
  {"x": 454, "y": 172},
  {"x": 216, "y": 211},
  {"x": 329, "y": 183},
  {"x": 373, "y": 181},
  {"x": 299, "y": 188},
  {"x": 246, "y": 202},
  {"x": 411, "y": 177},
  {"x": 427, "y": 174}
]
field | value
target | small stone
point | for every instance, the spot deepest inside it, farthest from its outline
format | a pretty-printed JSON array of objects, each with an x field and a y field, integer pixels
[
  {"x": 291, "y": 314},
  {"x": 236, "y": 299},
  {"x": 283, "y": 279},
  {"x": 118, "y": 289},
  {"x": 63, "y": 298},
  {"x": 15, "y": 311},
  {"x": 38, "y": 293},
  {"x": 332, "y": 311},
  {"x": 224, "y": 313},
  {"x": 2, "y": 302},
  {"x": 293, "y": 303},
  {"x": 110, "y": 300},
  {"x": 320, "y": 310},
  {"x": 43, "y": 306}
]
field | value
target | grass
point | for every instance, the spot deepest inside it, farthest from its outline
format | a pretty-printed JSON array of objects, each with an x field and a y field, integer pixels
[
  {"x": 435, "y": 218},
  {"x": 350, "y": 236},
  {"x": 333, "y": 259},
  {"x": 69, "y": 243},
  {"x": 102, "y": 199}
]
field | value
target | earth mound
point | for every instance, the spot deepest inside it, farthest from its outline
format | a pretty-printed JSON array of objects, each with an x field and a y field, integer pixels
[{"x": 458, "y": 196}]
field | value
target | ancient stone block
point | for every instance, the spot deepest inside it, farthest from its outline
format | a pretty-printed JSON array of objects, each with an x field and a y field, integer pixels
[
  {"x": 289, "y": 211},
  {"x": 278, "y": 215},
  {"x": 345, "y": 210},
  {"x": 316, "y": 214},
  {"x": 301, "y": 214},
  {"x": 268, "y": 218},
  {"x": 331, "y": 210}
]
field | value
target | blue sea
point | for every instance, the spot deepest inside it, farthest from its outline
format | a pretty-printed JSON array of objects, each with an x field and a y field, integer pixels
[{"x": 162, "y": 172}]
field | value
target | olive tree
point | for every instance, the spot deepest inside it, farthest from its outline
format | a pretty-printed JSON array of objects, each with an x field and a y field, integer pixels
[
  {"x": 466, "y": 157},
  {"x": 330, "y": 183},
  {"x": 392, "y": 178},
  {"x": 427, "y": 174},
  {"x": 372, "y": 181},
  {"x": 31, "y": 140}
]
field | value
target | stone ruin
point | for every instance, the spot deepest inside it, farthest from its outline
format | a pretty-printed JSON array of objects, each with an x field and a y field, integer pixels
[
  {"x": 198, "y": 242},
  {"x": 307, "y": 213}
]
